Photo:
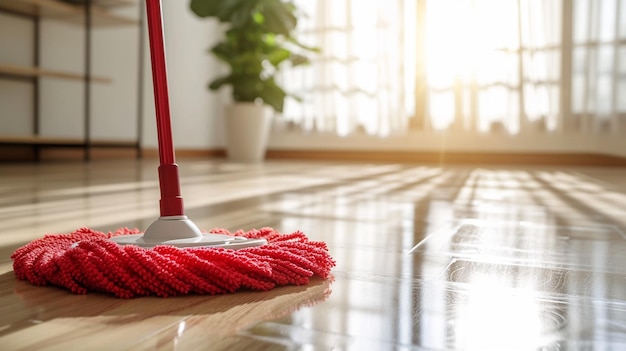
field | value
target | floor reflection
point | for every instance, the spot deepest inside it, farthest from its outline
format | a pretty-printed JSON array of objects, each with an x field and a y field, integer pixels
[{"x": 477, "y": 259}]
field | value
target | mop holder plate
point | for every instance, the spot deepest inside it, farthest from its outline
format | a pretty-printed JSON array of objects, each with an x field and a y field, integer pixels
[
  {"x": 206, "y": 240},
  {"x": 180, "y": 231}
]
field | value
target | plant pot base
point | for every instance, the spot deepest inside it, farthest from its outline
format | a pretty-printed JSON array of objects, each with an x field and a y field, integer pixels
[{"x": 247, "y": 131}]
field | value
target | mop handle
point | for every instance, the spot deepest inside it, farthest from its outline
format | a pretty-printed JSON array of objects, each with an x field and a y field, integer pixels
[{"x": 171, "y": 201}]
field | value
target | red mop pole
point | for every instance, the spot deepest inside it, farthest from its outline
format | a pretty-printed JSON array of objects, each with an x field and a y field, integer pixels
[{"x": 171, "y": 202}]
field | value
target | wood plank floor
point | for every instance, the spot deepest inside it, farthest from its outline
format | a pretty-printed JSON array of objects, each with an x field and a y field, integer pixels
[{"x": 428, "y": 258}]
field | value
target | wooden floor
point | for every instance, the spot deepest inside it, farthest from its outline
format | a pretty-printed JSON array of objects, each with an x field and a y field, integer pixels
[{"x": 428, "y": 258}]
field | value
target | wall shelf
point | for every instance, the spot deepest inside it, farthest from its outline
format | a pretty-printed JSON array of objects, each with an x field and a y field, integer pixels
[
  {"x": 69, "y": 13},
  {"x": 62, "y": 141},
  {"x": 24, "y": 71},
  {"x": 86, "y": 14}
]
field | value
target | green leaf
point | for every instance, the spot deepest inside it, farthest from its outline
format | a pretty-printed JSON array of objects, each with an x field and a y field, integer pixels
[
  {"x": 246, "y": 88},
  {"x": 278, "y": 55},
  {"x": 298, "y": 60},
  {"x": 219, "y": 82},
  {"x": 258, "y": 17},
  {"x": 229, "y": 8},
  {"x": 273, "y": 95},
  {"x": 302, "y": 46},
  {"x": 222, "y": 51},
  {"x": 205, "y": 8},
  {"x": 279, "y": 17},
  {"x": 224, "y": 10},
  {"x": 296, "y": 97},
  {"x": 269, "y": 39},
  {"x": 242, "y": 14}
]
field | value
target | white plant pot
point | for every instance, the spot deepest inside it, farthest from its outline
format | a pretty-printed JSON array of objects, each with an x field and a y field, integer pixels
[{"x": 247, "y": 131}]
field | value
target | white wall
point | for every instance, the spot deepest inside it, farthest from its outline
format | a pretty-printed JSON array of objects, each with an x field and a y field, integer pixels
[
  {"x": 62, "y": 101},
  {"x": 16, "y": 97},
  {"x": 195, "y": 110}
]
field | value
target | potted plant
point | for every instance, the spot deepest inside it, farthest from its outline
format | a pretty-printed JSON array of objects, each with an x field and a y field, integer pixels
[{"x": 259, "y": 40}]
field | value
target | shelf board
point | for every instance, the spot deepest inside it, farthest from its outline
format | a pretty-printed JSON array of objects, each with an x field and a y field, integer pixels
[
  {"x": 70, "y": 13},
  {"x": 113, "y": 143},
  {"x": 25, "y": 71},
  {"x": 109, "y": 3},
  {"x": 62, "y": 141}
]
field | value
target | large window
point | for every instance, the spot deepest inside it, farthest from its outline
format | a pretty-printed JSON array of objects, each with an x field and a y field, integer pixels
[
  {"x": 525, "y": 65},
  {"x": 507, "y": 66}
]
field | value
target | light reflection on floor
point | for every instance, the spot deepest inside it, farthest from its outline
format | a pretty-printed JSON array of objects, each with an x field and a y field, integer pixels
[{"x": 509, "y": 260}]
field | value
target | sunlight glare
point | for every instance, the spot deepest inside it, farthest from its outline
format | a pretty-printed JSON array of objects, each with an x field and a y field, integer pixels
[
  {"x": 446, "y": 40},
  {"x": 471, "y": 42},
  {"x": 497, "y": 317}
]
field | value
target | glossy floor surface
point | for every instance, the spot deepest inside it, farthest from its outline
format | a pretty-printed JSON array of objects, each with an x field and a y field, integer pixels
[{"x": 428, "y": 258}]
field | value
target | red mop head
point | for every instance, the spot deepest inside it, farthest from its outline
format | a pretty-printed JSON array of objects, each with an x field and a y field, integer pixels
[{"x": 86, "y": 260}]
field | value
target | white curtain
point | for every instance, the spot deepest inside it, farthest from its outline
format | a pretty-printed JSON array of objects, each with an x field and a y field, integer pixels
[
  {"x": 599, "y": 65},
  {"x": 492, "y": 65},
  {"x": 508, "y": 66},
  {"x": 364, "y": 78},
  {"x": 526, "y": 66}
]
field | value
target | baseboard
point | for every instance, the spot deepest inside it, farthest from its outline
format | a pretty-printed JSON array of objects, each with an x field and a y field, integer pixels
[
  {"x": 26, "y": 153},
  {"x": 188, "y": 153},
  {"x": 95, "y": 153},
  {"x": 497, "y": 158},
  {"x": 16, "y": 153}
]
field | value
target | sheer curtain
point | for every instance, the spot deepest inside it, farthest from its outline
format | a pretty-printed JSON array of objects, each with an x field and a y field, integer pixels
[
  {"x": 364, "y": 78},
  {"x": 493, "y": 65},
  {"x": 525, "y": 66},
  {"x": 599, "y": 65},
  {"x": 498, "y": 66}
]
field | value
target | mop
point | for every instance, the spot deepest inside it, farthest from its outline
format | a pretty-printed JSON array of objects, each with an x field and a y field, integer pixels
[{"x": 173, "y": 256}]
